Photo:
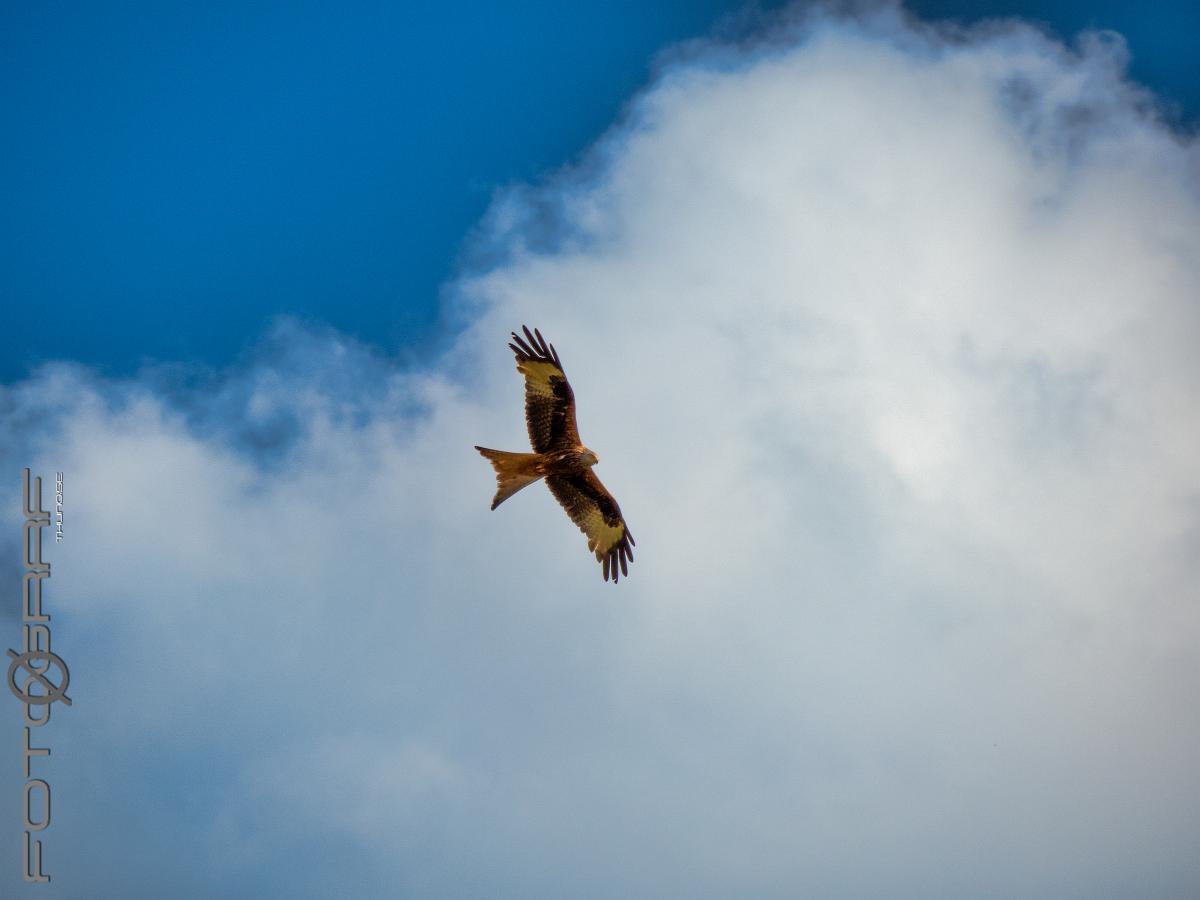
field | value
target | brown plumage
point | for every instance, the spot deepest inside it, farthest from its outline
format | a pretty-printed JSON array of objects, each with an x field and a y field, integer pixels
[{"x": 560, "y": 457}]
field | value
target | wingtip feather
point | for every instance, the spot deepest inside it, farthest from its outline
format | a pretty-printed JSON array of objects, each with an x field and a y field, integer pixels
[{"x": 533, "y": 346}]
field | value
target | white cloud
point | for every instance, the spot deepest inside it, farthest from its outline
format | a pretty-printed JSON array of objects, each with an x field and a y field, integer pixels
[{"x": 886, "y": 338}]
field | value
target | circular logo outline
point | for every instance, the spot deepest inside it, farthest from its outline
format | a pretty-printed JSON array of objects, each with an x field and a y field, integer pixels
[{"x": 53, "y": 691}]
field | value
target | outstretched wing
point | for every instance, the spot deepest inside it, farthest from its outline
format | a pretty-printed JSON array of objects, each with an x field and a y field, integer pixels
[
  {"x": 549, "y": 402},
  {"x": 593, "y": 509}
]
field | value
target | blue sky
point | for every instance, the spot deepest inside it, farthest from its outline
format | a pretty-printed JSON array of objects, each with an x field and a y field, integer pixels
[
  {"x": 884, "y": 331},
  {"x": 176, "y": 176}
]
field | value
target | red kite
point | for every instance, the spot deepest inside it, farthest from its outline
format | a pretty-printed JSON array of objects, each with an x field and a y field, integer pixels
[{"x": 560, "y": 457}]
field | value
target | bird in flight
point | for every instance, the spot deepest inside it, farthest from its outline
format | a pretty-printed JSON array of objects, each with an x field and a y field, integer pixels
[{"x": 560, "y": 457}]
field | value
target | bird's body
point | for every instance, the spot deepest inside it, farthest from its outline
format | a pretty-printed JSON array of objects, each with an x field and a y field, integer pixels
[
  {"x": 515, "y": 470},
  {"x": 560, "y": 457}
]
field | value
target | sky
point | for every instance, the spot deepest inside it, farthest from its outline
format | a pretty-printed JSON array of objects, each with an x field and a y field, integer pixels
[
  {"x": 175, "y": 176},
  {"x": 883, "y": 326}
]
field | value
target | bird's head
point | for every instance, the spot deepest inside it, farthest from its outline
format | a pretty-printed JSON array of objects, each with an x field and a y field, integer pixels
[{"x": 588, "y": 457}]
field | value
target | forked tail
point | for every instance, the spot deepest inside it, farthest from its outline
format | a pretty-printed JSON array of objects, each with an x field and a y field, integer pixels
[{"x": 513, "y": 471}]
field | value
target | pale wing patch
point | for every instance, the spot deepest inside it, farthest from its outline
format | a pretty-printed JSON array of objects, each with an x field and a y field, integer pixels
[
  {"x": 537, "y": 376},
  {"x": 602, "y": 537}
]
